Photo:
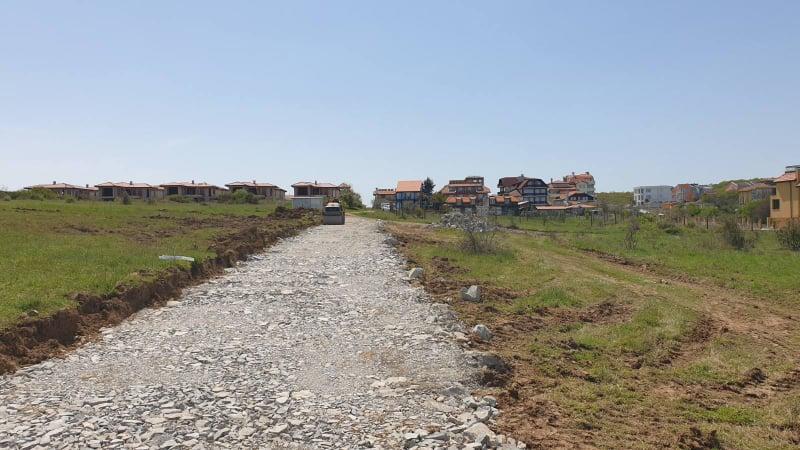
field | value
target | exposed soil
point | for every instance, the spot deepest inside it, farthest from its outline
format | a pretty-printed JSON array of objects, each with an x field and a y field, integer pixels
[
  {"x": 35, "y": 340},
  {"x": 523, "y": 393}
]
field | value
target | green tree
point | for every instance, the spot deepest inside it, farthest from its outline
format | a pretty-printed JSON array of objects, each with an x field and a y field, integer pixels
[
  {"x": 350, "y": 199},
  {"x": 427, "y": 186}
]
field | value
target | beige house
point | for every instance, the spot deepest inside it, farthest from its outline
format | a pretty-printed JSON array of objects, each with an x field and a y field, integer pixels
[
  {"x": 268, "y": 190},
  {"x": 309, "y": 189},
  {"x": 110, "y": 191},
  {"x": 197, "y": 191},
  {"x": 584, "y": 182},
  {"x": 756, "y": 191},
  {"x": 68, "y": 190},
  {"x": 785, "y": 204}
]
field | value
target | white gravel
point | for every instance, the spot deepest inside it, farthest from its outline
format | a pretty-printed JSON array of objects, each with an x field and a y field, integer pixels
[{"x": 321, "y": 342}]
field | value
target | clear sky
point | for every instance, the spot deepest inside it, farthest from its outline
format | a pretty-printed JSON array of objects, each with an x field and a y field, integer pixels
[{"x": 637, "y": 92}]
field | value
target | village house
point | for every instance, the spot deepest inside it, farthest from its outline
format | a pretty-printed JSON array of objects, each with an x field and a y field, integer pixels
[
  {"x": 197, "y": 191},
  {"x": 316, "y": 189},
  {"x": 785, "y": 203},
  {"x": 383, "y": 198},
  {"x": 267, "y": 190},
  {"x": 467, "y": 194},
  {"x": 736, "y": 186},
  {"x": 557, "y": 191},
  {"x": 584, "y": 182},
  {"x": 110, "y": 191},
  {"x": 408, "y": 194},
  {"x": 762, "y": 190},
  {"x": 511, "y": 204},
  {"x": 532, "y": 190},
  {"x": 688, "y": 192},
  {"x": 68, "y": 190},
  {"x": 652, "y": 196}
]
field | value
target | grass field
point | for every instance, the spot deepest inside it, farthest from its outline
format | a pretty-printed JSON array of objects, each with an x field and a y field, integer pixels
[
  {"x": 609, "y": 355},
  {"x": 765, "y": 271},
  {"x": 52, "y": 248}
]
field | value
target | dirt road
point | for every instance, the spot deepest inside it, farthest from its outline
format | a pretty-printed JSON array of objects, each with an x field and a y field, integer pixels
[{"x": 320, "y": 342}]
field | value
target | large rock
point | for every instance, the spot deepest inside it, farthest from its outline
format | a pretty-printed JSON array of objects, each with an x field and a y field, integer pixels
[
  {"x": 489, "y": 360},
  {"x": 482, "y": 332},
  {"x": 415, "y": 273},
  {"x": 471, "y": 294},
  {"x": 479, "y": 433}
]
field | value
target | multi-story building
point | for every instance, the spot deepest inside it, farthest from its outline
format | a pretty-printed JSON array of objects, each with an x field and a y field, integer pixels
[
  {"x": 267, "y": 190},
  {"x": 652, "y": 196},
  {"x": 532, "y": 190},
  {"x": 785, "y": 204},
  {"x": 762, "y": 190},
  {"x": 468, "y": 193},
  {"x": 584, "y": 182},
  {"x": 408, "y": 194},
  {"x": 384, "y": 198}
]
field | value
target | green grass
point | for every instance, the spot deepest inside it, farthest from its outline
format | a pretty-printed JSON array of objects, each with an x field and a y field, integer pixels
[
  {"x": 766, "y": 271},
  {"x": 53, "y": 248},
  {"x": 427, "y": 217},
  {"x": 619, "y": 352}
]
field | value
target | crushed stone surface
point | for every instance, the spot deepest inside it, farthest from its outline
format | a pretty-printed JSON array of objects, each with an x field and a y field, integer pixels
[{"x": 320, "y": 342}]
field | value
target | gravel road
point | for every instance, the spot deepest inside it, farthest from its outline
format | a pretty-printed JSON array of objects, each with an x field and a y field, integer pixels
[{"x": 321, "y": 342}]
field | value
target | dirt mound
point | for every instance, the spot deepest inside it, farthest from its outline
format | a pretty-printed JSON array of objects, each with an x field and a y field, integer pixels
[
  {"x": 35, "y": 340},
  {"x": 697, "y": 439}
]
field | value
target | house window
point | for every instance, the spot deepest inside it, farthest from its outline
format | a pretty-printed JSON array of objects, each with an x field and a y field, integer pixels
[{"x": 776, "y": 204}]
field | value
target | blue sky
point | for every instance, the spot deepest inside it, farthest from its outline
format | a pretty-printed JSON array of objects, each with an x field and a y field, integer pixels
[{"x": 375, "y": 91}]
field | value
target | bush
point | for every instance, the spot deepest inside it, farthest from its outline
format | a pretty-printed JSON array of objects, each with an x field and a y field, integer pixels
[
  {"x": 789, "y": 236},
  {"x": 731, "y": 233},
  {"x": 126, "y": 199},
  {"x": 180, "y": 199},
  {"x": 478, "y": 235},
  {"x": 6, "y": 198},
  {"x": 350, "y": 199},
  {"x": 630, "y": 241},
  {"x": 239, "y": 196},
  {"x": 70, "y": 200},
  {"x": 669, "y": 228}
]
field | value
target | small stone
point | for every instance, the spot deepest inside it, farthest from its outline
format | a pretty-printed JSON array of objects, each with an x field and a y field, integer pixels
[
  {"x": 482, "y": 332},
  {"x": 173, "y": 303},
  {"x": 471, "y": 294},
  {"x": 415, "y": 273}
]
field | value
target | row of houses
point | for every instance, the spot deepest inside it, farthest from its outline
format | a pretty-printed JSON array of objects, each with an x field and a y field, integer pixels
[
  {"x": 514, "y": 194},
  {"x": 201, "y": 191},
  {"x": 663, "y": 195},
  {"x": 783, "y": 193}
]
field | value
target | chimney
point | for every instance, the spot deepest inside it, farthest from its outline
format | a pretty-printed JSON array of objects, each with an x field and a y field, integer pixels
[
  {"x": 192, "y": 181},
  {"x": 130, "y": 182},
  {"x": 87, "y": 185},
  {"x": 573, "y": 174},
  {"x": 254, "y": 181},
  {"x": 54, "y": 182}
]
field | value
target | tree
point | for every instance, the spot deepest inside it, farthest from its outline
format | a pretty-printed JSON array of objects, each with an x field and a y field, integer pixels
[
  {"x": 350, "y": 199},
  {"x": 427, "y": 186}
]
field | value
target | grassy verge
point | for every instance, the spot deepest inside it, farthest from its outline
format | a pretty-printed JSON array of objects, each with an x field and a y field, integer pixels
[
  {"x": 53, "y": 248},
  {"x": 612, "y": 357}
]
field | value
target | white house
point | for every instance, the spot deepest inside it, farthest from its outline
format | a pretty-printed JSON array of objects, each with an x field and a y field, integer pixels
[{"x": 652, "y": 196}]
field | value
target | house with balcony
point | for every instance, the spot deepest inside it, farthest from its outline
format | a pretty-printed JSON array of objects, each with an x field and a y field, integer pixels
[
  {"x": 316, "y": 189},
  {"x": 110, "y": 191},
  {"x": 408, "y": 194},
  {"x": 532, "y": 190},
  {"x": 64, "y": 190},
  {"x": 785, "y": 203},
  {"x": 267, "y": 190},
  {"x": 755, "y": 192},
  {"x": 584, "y": 182},
  {"x": 197, "y": 191},
  {"x": 467, "y": 194},
  {"x": 384, "y": 198},
  {"x": 557, "y": 191}
]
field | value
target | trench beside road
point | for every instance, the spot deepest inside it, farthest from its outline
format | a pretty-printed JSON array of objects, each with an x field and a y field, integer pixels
[{"x": 318, "y": 342}]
